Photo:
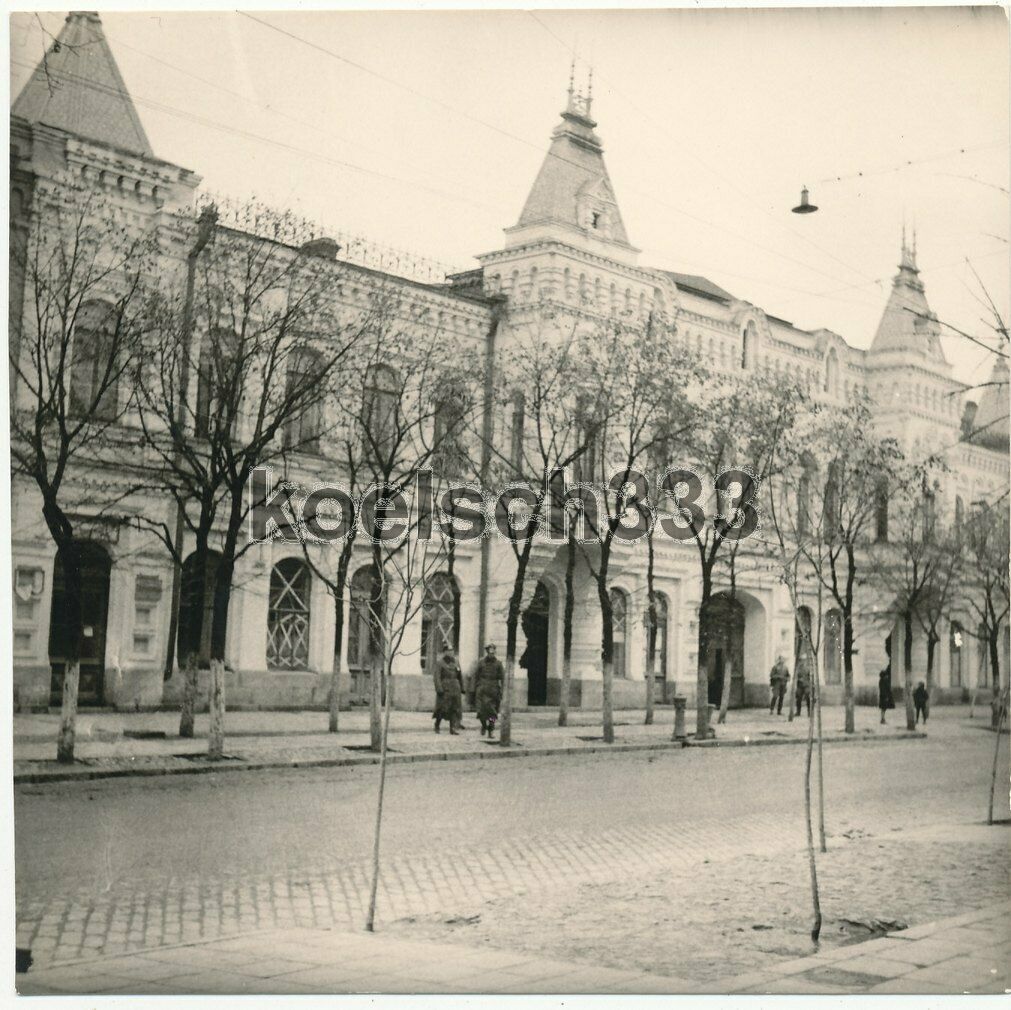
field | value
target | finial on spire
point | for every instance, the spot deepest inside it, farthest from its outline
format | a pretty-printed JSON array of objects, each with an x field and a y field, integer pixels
[{"x": 579, "y": 102}]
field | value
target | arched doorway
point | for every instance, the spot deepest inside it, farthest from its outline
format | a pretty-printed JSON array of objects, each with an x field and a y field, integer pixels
[
  {"x": 96, "y": 566},
  {"x": 723, "y": 633},
  {"x": 535, "y": 656}
]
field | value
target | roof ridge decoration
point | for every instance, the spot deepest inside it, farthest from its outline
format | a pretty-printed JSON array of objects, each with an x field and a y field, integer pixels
[{"x": 77, "y": 87}]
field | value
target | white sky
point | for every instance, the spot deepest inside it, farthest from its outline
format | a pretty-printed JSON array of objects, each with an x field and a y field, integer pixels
[{"x": 711, "y": 120}]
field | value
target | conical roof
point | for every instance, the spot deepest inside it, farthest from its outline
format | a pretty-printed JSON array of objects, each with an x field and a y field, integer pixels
[
  {"x": 78, "y": 88},
  {"x": 908, "y": 323},
  {"x": 990, "y": 425},
  {"x": 573, "y": 188}
]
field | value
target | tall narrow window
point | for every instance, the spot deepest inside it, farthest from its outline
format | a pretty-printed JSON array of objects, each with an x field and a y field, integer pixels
[
  {"x": 448, "y": 430},
  {"x": 438, "y": 621},
  {"x": 656, "y": 635},
  {"x": 749, "y": 341},
  {"x": 804, "y": 503},
  {"x": 516, "y": 433},
  {"x": 832, "y": 517},
  {"x": 304, "y": 399},
  {"x": 619, "y": 612},
  {"x": 881, "y": 511},
  {"x": 832, "y": 372},
  {"x": 382, "y": 407},
  {"x": 94, "y": 379},
  {"x": 218, "y": 384},
  {"x": 288, "y": 616}
]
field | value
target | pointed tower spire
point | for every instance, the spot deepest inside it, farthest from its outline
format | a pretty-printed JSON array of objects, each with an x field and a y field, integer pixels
[
  {"x": 78, "y": 88},
  {"x": 572, "y": 194},
  {"x": 908, "y": 324}
]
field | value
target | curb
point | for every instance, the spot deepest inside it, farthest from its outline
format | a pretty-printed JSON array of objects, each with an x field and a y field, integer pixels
[{"x": 493, "y": 753}]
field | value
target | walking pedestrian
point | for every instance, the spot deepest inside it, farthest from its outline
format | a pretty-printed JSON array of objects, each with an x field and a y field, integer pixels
[
  {"x": 885, "y": 699},
  {"x": 921, "y": 699},
  {"x": 489, "y": 677},
  {"x": 448, "y": 679},
  {"x": 802, "y": 689},
  {"x": 779, "y": 677}
]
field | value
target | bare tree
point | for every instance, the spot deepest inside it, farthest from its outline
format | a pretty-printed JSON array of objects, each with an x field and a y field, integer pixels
[
  {"x": 730, "y": 448},
  {"x": 88, "y": 270},
  {"x": 255, "y": 386},
  {"x": 986, "y": 583}
]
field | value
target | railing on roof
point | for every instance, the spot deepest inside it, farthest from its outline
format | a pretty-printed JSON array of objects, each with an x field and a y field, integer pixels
[{"x": 285, "y": 226}]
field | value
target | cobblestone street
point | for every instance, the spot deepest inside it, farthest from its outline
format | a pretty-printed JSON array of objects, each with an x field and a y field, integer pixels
[{"x": 119, "y": 865}]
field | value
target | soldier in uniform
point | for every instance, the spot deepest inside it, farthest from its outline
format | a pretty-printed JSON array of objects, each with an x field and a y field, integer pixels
[
  {"x": 489, "y": 677},
  {"x": 448, "y": 692}
]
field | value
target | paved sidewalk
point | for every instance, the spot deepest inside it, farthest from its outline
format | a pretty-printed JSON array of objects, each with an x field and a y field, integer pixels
[
  {"x": 112, "y": 744},
  {"x": 969, "y": 953}
]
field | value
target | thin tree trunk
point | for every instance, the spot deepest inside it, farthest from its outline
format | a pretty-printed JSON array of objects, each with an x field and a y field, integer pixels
[
  {"x": 570, "y": 603},
  {"x": 216, "y": 733},
  {"x": 334, "y": 694},
  {"x": 188, "y": 708},
  {"x": 816, "y": 701},
  {"x": 848, "y": 699},
  {"x": 608, "y": 699},
  {"x": 702, "y": 682},
  {"x": 68, "y": 713},
  {"x": 376, "y": 704},
  {"x": 907, "y": 670},
  {"x": 791, "y": 693},
  {"x": 728, "y": 673},
  {"x": 370, "y": 921},
  {"x": 931, "y": 648},
  {"x": 811, "y": 859},
  {"x": 651, "y": 632},
  {"x": 506, "y": 715},
  {"x": 996, "y": 760}
]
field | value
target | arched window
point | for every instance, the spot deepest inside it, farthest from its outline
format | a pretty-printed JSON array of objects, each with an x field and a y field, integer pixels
[
  {"x": 94, "y": 379},
  {"x": 288, "y": 616},
  {"x": 956, "y": 644},
  {"x": 451, "y": 407},
  {"x": 832, "y": 373},
  {"x": 382, "y": 405},
  {"x": 619, "y": 612},
  {"x": 656, "y": 635},
  {"x": 219, "y": 385},
  {"x": 439, "y": 629},
  {"x": 304, "y": 399},
  {"x": 195, "y": 610},
  {"x": 833, "y": 647}
]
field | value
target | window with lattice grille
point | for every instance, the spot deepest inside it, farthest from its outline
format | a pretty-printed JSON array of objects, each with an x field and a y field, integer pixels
[{"x": 288, "y": 616}]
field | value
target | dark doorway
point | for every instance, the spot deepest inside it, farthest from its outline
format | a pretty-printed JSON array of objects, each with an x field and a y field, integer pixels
[
  {"x": 723, "y": 627},
  {"x": 95, "y": 568},
  {"x": 535, "y": 657}
]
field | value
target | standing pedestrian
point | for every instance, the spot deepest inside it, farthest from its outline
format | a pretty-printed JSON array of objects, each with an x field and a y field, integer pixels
[
  {"x": 802, "y": 689},
  {"x": 885, "y": 699},
  {"x": 921, "y": 699},
  {"x": 489, "y": 677},
  {"x": 448, "y": 692},
  {"x": 778, "y": 679}
]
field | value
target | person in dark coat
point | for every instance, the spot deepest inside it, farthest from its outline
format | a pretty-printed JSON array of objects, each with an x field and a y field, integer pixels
[
  {"x": 448, "y": 679},
  {"x": 778, "y": 679},
  {"x": 921, "y": 699},
  {"x": 802, "y": 689},
  {"x": 885, "y": 699},
  {"x": 489, "y": 678}
]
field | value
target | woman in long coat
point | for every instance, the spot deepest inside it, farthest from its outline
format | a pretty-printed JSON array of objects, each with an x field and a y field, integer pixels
[{"x": 448, "y": 679}]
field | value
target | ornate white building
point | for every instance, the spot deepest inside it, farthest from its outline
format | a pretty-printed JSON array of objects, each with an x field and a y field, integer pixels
[{"x": 569, "y": 249}]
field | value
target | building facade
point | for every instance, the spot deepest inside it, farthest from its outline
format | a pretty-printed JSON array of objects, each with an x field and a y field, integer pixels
[{"x": 568, "y": 253}]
